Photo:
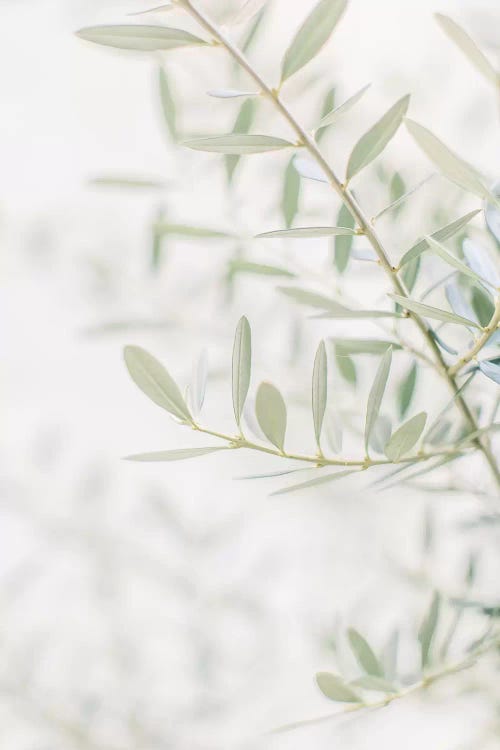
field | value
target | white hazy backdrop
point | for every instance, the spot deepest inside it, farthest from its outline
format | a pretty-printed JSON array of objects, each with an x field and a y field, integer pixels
[{"x": 171, "y": 606}]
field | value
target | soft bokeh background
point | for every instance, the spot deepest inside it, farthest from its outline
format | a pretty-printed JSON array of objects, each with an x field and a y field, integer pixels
[{"x": 170, "y": 606}]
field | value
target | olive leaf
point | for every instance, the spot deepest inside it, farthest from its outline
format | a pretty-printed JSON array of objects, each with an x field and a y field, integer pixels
[
  {"x": 178, "y": 454},
  {"x": 307, "y": 232},
  {"x": 154, "y": 380},
  {"x": 403, "y": 440},
  {"x": 315, "y": 481},
  {"x": 443, "y": 253},
  {"x": 242, "y": 366},
  {"x": 143, "y": 38},
  {"x": 364, "y": 654},
  {"x": 238, "y": 144},
  {"x": 342, "y": 244},
  {"x": 406, "y": 390},
  {"x": 468, "y": 47},
  {"x": 312, "y": 35},
  {"x": 333, "y": 687},
  {"x": 270, "y": 410},
  {"x": 337, "y": 112},
  {"x": 439, "y": 235},
  {"x": 319, "y": 390},
  {"x": 291, "y": 193},
  {"x": 376, "y": 394},
  {"x": 167, "y": 103},
  {"x": 242, "y": 124},
  {"x": 426, "y": 311},
  {"x": 372, "y": 143},
  {"x": 428, "y": 629}
]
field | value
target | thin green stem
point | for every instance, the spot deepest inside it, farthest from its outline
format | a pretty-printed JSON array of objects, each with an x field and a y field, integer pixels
[{"x": 364, "y": 224}]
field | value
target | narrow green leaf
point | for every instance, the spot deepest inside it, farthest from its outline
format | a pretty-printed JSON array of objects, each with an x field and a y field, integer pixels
[
  {"x": 398, "y": 197},
  {"x": 376, "y": 394},
  {"x": 406, "y": 390},
  {"x": 312, "y": 35},
  {"x": 270, "y": 411},
  {"x": 377, "y": 684},
  {"x": 333, "y": 309},
  {"x": 115, "y": 181},
  {"x": 449, "y": 164},
  {"x": 230, "y": 93},
  {"x": 426, "y": 311},
  {"x": 246, "y": 266},
  {"x": 403, "y": 440},
  {"x": 184, "y": 230},
  {"x": 291, "y": 192},
  {"x": 468, "y": 47},
  {"x": 154, "y": 380},
  {"x": 167, "y": 103},
  {"x": 178, "y": 454},
  {"x": 428, "y": 629},
  {"x": 198, "y": 384},
  {"x": 482, "y": 305},
  {"x": 334, "y": 115},
  {"x": 363, "y": 346},
  {"x": 308, "y": 232},
  {"x": 440, "y": 236},
  {"x": 346, "y": 367},
  {"x": 242, "y": 366},
  {"x": 381, "y": 433},
  {"x": 342, "y": 245},
  {"x": 328, "y": 105},
  {"x": 242, "y": 124},
  {"x": 314, "y": 482},
  {"x": 372, "y": 143},
  {"x": 364, "y": 654},
  {"x": 158, "y": 9},
  {"x": 143, "y": 38},
  {"x": 319, "y": 390},
  {"x": 443, "y": 253},
  {"x": 239, "y": 144},
  {"x": 333, "y": 687}
]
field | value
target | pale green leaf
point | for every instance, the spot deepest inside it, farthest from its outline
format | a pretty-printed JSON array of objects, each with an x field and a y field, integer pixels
[
  {"x": 364, "y": 654},
  {"x": 342, "y": 244},
  {"x": 426, "y": 311},
  {"x": 452, "y": 261},
  {"x": 143, "y": 38},
  {"x": 403, "y": 440},
  {"x": 291, "y": 192},
  {"x": 154, "y": 380},
  {"x": 315, "y": 481},
  {"x": 332, "y": 308},
  {"x": 440, "y": 236},
  {"x": 449, "y": 164},
  {"x": 346, "y": 368},
  {"x": 116, "y": 181},
  {"x": 406, "y": 390},
  {"x": 308, "y": 232},
  {"x": 372, "y": 143},
  {"x": 363, "y": 346},
  {"x": 238, "y": 144},
  {"x": 380, "y": 433},
  {"x": 242, "y": 124},
  {"x": 184, "y": 230},
  {"x": 334, "y": 115},
  {"x": 270, "y": 410},
  {"x": 179, "y": 454},
  {"x": 468, "y": 47},
  {"x": 428, "y": 629},
  {"x": 242, "y": 366},
  {"x": 376, "y": 394},
  {"x": 158, "y": 9},
  {"x": 319, "y": 390},
  {"x": 262, "y": 269},
  {"x": 312, "y": 35},
  {"x": 334, "y": 687},
  {"x": 230, "y": 93}
]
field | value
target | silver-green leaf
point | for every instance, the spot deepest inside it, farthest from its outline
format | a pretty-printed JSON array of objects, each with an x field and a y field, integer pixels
[
  {"x": 372, "y": 143},
  {"x": 178, "y": 454},
  {"x": 364, "y": 654},
  {"x": 238, "y": 144},
  {"x": 428, "y": 629},
  {"x": 405, "y": 437},
  {"x": 333, "y": 687},
  {"x": 468, "y": 47},
  {"x": 154, "y": 380},
  {"x": 308, "y": 232},
  {"x": 143, "y": 38},
  {"x": 270, "y": 410},
  {"x": 334, "y": 115},
  {"x": 315, "y": 481},
  {"x": 376, "y": 394},
  {"x": 440, "y": 235},
  {"x": 427, "y": 311},
  {"x": 319, "y": 390},
  {"x": 242, "y": 366},
  {"x": 312, "y": 35}
]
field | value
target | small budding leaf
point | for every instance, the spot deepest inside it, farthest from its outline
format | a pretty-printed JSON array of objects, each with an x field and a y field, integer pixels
[
  {"x": 372, "y": 143},
  {"x": 364, "y": 654},
  {"x": 319, "y": 390},
  {"x": 238, "y": 144},
  {"x": 403, "y": 440},
  {"x": 179, "y": 454},
  {"x": 154, "y": 380},
  {"x": 468, "y": 47},
  {"x": 312, "y": 35},
  {"x": 435, "y": 313},
  {"x": 449, "y": 164},
  {"x": 376, "y": 394},
  {"x": 143, "y": 38},
  {"x": 242, "y": 366},
  {"x": 270, "y": 410},
  {"x": 428, "y": 629},
  {"x": 333, "y": 687}
]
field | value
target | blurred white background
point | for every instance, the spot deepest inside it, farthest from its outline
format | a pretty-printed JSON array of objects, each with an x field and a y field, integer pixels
[{"x": 170, "y": 606}]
